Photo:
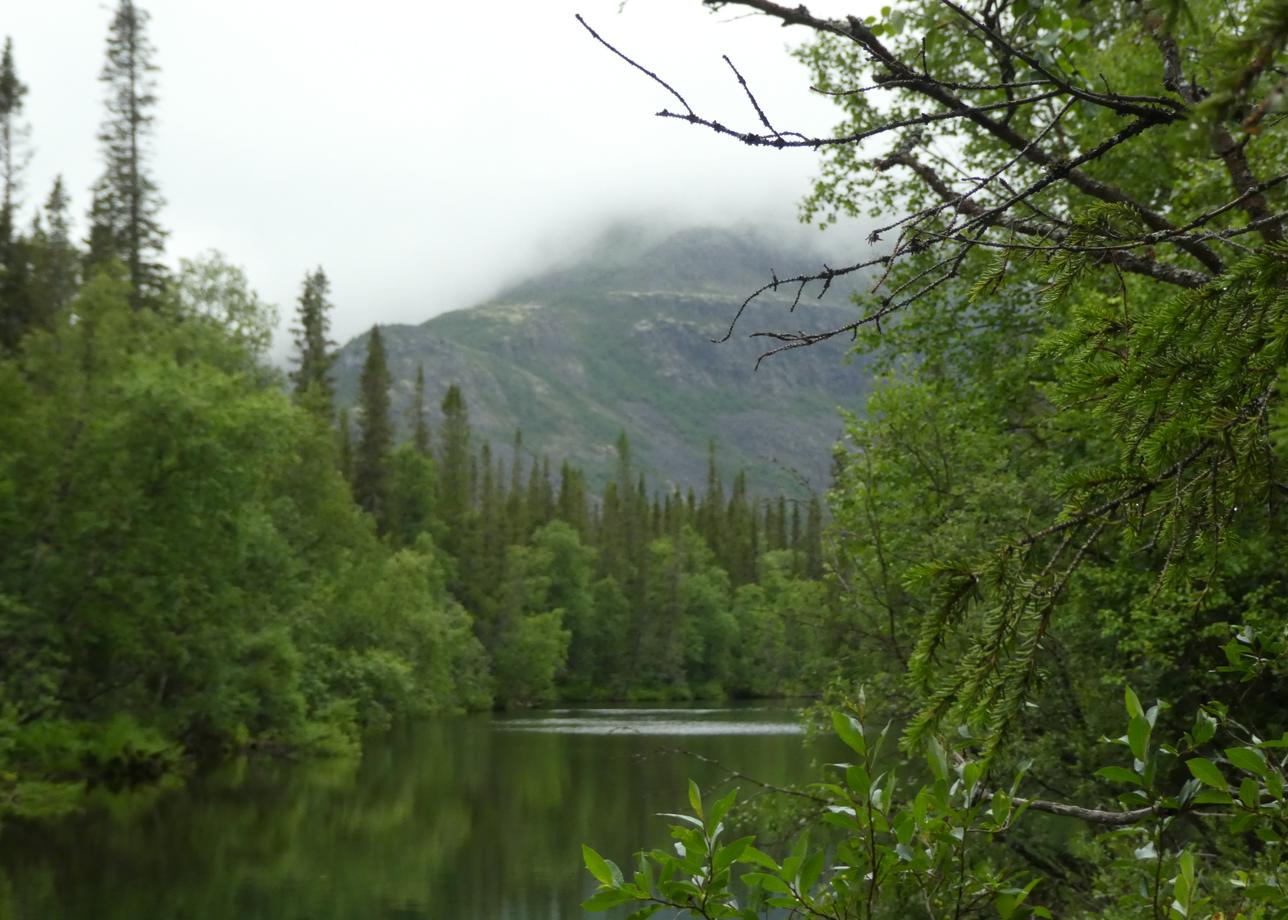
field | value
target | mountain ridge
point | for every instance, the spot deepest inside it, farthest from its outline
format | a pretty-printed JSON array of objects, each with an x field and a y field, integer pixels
[{"x": 620, "y": 340}]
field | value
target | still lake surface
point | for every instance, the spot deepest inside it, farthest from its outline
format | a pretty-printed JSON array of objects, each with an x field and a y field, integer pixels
[{"x": 474, "y": 818}]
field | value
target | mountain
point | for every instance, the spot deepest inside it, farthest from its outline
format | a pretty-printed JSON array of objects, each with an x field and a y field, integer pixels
[{"x": 620, "y": 340}]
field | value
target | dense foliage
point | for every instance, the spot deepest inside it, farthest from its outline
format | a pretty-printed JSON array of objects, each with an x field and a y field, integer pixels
[
  {"x": 624, "y": 595},
  {"x": 1069, "y": 484}
]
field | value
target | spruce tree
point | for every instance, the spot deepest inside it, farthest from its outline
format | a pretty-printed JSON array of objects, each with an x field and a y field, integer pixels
[
  {"x": 375, "y": 444},
  {"x": 454, "y": 463},
  {"x": 492, "y": 536},
  {"x": 546, "y": 495},
  {"x": 11, "y": 138},
  {"x": 55, "y": 262},
  {"x": 536, "y": 504},
  {"x": 126, "y": 203},
  {"x": 312, "y": 376},
  {"x": 572, "y": 506},
  {"x": 14, "y": 307},
  {"x": 417, "y": 414},
  {"x": 710, "y": 512},
  {"x": 516, "y": 510}
]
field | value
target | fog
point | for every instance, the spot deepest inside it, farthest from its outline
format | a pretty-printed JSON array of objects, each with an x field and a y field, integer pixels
[{"x": 424, "y": 154}]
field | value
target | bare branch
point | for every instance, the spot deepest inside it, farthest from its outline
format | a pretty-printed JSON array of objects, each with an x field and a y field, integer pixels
[{"x": 656, "y": 79}]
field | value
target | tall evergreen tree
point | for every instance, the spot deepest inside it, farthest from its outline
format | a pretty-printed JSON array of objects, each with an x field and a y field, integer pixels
[
  {"x": 454, "y": 465},
  {"x": 124, "y": 221},
  {"x": 55, "y": 262},
  {"x": 516, "y": 509},
  {"x": 710, "y": 512},
  {"x": 417, "y": 414},
  {"x": 544, "y": 505},
  {"x": 371, "y": 459},
  {"x": 12, "y": 134},
  {"x": 572, "y": 506},
  {"x": 14, "y": 307},
  {"x": 312, "y": 376}
]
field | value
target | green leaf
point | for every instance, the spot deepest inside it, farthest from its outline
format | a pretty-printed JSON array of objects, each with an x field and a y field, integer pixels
[
  {"x": 1248, "y": 759},
  {"x": 1264, "y": 893},
  {"x": 1001, "y": 807},
  {"x": 1213, "y": 797},
  {"x": 728, "y": 855},
  {"x": 1207, "y": 773},
  {"x": 645, "y": 912},
  {"x": 687, "y": 819},
  {"x": 767, "y": 882},
  {"x": 1134, "y": 709},
  {"x": 858, "y": 780},
  {"x": 722, "y": 806},
  {"x": 1204, "y": 728},
  {"x": 607, "y": 899},
  {"x": 1138, "y": 736},
  {"x": 753, "y": 855},
  {"x": 1009, "y": 901},
  {"x": 695, "y": 798},
  {"x": 810, "y": 872},
  {"x": 937, "y": 759},
  {"x": 604, "y": 871},
  {"x": 850, "y": 731},
  {"x": 1119, "y": 775}
]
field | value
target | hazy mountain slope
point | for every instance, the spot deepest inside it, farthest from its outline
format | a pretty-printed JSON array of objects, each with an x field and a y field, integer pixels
[{"x": 621, "y": 341}]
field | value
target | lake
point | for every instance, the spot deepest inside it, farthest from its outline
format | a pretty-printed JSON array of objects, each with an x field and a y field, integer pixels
[{"x": 473, "y": 818}]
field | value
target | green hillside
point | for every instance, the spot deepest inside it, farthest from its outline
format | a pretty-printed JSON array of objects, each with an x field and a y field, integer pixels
[{"x": 620, "y": 341}]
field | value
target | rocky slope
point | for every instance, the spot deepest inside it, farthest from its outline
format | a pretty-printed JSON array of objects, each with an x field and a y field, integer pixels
[{"x": 620, "y": 341}]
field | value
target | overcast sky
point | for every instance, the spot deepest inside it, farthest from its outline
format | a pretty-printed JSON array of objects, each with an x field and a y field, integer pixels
[{"x": 424, "y": 153}]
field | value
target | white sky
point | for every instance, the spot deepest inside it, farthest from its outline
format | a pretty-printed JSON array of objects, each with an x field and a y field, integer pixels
[{"x": 424, "y": 153}]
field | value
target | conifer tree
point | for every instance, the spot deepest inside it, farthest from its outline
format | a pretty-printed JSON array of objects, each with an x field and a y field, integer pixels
[
  {"x": 417, "y": 414},
  {"x": 610, "y": 537},
  {"x": 124, "y": 221},
  {"x": 12, "y": 132},
  {"x": 55, "y": 262},
  {"x": 711, "y": 510},
  {"x": 672, "y": 513},
  {"x": 454, "y": 463},
  {"x": 739, "y": 558},
  {"x": 371, "y": 459},
  {"x": 312, "y": 376},
  {"x": 516, "y": 510},
  {"x": 14, "y": 307},
  {"x": 572, "y": 499},
  {"x": 777, "y": 538},
  {"x": 543, "y": 509}
]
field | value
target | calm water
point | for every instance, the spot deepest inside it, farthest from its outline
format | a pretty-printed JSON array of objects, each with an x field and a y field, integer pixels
[{"x": 476, "y": 818}]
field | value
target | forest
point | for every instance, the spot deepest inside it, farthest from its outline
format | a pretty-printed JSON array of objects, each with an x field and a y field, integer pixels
[
  {"x": 1043, "y": 604},
  {"x": 206, "y": 557}
]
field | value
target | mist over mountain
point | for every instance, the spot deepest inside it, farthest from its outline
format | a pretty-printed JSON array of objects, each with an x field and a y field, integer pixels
[{"x": 620, "y": 340}]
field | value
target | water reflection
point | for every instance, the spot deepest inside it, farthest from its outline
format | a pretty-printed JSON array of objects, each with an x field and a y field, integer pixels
[
  {"x": 675, "y": 727},
  {"x": 467, "y": 818}
]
